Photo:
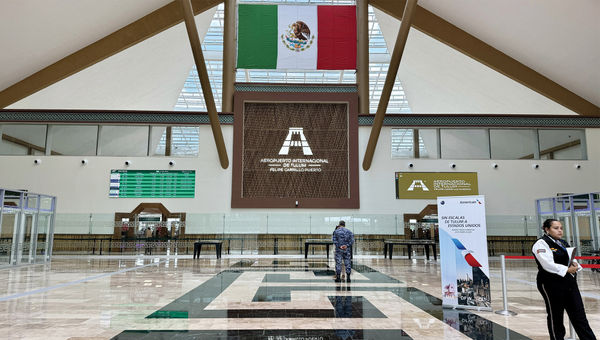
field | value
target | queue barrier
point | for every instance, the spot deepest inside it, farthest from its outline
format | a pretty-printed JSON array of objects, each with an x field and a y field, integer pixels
[
  {"x": 505, "y": 311},
  {"x": 583, "y": 265}
]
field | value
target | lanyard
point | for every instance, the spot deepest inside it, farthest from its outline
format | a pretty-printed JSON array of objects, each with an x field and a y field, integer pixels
[{"x": 559, "y": 244}]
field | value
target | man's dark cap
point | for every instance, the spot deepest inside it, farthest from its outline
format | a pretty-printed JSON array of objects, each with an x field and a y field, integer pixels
[{"x": 342, "y": 223}]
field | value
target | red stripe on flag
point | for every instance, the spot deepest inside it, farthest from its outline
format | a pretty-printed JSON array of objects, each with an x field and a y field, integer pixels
[{"x": 336, "y": 47}]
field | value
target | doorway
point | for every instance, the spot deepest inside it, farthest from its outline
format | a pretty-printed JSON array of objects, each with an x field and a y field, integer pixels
[{"x": 150, "y": 220}]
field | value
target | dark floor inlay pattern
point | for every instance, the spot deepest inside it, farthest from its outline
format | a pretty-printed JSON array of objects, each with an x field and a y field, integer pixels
[
  {"x": 303, "y": 263},
  {"x": 193, "y": 303},
  {"x": 243, "y": 264},
  {"x": 354, "y": 307},
  {"x": 267, "y": 334},
  {"x": 278, "y": 278}
]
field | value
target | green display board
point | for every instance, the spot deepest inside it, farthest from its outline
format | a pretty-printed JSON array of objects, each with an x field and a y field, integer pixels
[{"x": 152, "y": 183}]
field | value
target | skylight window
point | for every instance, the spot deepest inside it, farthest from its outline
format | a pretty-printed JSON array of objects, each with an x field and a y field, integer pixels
[{"x": 191, "y": 99}]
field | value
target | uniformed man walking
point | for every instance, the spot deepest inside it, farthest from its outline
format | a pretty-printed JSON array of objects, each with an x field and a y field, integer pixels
[{"x": 343, "y": 239}]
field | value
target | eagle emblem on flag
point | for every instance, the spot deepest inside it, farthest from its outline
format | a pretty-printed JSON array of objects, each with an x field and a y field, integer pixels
[{"x": 298, "y": 37}]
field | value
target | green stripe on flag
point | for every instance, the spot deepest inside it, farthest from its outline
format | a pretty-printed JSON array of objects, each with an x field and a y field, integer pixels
[{"x": 257, "y": 36}]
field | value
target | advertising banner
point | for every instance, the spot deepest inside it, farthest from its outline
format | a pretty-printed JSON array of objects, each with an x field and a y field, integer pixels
[
  {"x": 463, "y": 252},
  {"x": 430, "y": 185}
]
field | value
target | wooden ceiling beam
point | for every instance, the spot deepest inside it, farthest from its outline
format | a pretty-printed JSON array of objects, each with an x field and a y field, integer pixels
[
  {"x": 171, "y": 14},
  {"x": 390, "y": 79},
  {"x": 26, "y": 144},
  {"x": 445, "y": 32},
  {"x": 207, "y": 92},
  {"x": 139, "y": 30}
]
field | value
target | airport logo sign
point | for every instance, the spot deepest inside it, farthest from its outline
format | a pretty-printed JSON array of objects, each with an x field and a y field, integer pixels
[
  {"x": 417, "y": 183},
  {"x": 295, "y": 131},
  {"x": 294, "y": 151},
  {"x": 295, "y": 140},
  {"x": 430, "y": 185}
]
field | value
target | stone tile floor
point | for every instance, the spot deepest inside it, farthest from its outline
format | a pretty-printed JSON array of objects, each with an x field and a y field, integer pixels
[{"x": 146, "y": 297}]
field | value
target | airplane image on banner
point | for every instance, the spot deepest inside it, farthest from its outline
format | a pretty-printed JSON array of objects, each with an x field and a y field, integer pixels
[{"x": 468, "y": 254}]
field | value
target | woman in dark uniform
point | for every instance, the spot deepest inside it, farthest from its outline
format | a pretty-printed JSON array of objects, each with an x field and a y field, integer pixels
[{"x": 557, "y": 282}]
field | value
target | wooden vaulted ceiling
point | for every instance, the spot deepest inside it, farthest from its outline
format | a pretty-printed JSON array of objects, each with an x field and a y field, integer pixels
[
  {"x": 118, "y": 41},
  {"x": 424, "y": 20},
  {"x": 444, "y": 31}
]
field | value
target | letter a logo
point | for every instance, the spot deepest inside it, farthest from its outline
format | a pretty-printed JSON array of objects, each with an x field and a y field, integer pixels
[
  {"x": 417, "y": 183},
  {"x": 295, "y": 131}
]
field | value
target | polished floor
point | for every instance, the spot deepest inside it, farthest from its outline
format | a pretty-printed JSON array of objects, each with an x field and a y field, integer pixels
[{"x": 262, "y": 298}]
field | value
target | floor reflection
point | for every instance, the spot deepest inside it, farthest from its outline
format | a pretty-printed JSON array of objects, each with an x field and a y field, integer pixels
[
  {"x": 262, "y": 298},
  {"x": 279, "y": 334},
  {"x": 343, "y": 309}
]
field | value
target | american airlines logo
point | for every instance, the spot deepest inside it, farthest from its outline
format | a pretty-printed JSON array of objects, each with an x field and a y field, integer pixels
[
  {"x": 417, "y": 183},
  {"x": 289, "y": 143}
]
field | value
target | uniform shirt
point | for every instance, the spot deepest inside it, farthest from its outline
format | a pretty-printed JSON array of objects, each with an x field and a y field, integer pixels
[
  {"x": 343, "y": 237},
  {"x": 545, "y": 257}
]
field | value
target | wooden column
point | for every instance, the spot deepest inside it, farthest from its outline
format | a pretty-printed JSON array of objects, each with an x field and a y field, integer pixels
[
  {"x": 416, "y": 153},
  {"x": 168, "y": 138},
  {"x": 229, "y": 53},
  {"x": 362, "y": 67},
  {"x": 390, "y": 78}
]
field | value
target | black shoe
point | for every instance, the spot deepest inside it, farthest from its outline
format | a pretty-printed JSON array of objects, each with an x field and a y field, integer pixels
[
  {"x": 337, "y": 279},
  {"x": 348, "y": 278}
]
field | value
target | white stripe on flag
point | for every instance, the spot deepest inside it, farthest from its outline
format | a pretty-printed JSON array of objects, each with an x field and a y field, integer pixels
[{"x": 292, "y": 59}]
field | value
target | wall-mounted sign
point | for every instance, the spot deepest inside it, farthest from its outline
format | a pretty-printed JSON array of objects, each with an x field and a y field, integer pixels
[
  {"x": 152, "y": 183},
  {"x": 297, "y": 153},
  {"x": 430, "y": 185}
]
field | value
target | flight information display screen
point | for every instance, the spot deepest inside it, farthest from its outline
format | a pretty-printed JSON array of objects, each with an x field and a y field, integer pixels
[{"x": 152, "y": 183}]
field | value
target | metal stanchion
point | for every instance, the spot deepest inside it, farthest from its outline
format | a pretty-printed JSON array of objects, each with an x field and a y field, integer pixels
[
  {"x": 571, "y": 332},
  {"x": 571, "y": 328},
  {"x": 505, "y": 311}
]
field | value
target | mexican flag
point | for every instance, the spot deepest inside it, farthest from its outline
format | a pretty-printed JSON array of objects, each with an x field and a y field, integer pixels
[{"x": 296, "y": 37}]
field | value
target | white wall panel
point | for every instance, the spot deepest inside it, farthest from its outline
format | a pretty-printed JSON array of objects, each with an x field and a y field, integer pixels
[{"x": 510, "y": 190}]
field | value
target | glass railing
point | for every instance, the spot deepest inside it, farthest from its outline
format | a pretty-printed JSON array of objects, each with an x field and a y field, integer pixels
[
  {"x": 266, "y": 233},
  {"x": 289, "y": 223}
]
